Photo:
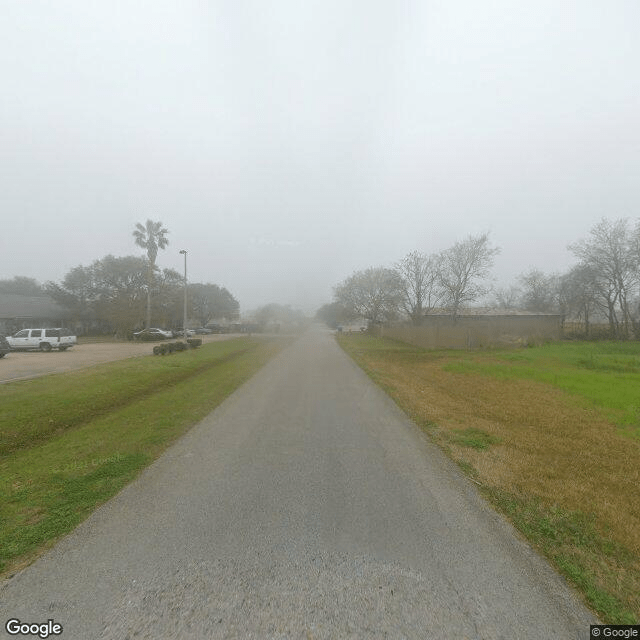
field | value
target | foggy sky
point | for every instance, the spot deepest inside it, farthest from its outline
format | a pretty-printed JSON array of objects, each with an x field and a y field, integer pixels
[{"x": 286, "y": 144}]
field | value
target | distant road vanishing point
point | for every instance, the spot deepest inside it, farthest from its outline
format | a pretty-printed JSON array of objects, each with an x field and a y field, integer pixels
[{"x": 306, "y": 506}]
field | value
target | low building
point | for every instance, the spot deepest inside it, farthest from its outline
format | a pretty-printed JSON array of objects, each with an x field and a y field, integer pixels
[{"x": 25, "y": 312}]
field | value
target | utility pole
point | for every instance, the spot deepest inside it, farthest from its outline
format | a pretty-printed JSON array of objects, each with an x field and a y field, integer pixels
[{"x": 184, "y": 322}]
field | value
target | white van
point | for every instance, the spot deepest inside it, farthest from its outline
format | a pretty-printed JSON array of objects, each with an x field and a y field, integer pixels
[{"x": 43, "y": 339}]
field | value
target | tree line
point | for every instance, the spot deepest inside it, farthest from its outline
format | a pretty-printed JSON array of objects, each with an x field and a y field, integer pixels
[
  {"x": 416, "y": 285},
  {"x": 603, "y": 285},
  {"x": 120, "y": 294}
]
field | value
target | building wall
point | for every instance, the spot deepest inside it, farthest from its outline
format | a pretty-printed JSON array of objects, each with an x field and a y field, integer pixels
[{"x": 475, "y": 332}]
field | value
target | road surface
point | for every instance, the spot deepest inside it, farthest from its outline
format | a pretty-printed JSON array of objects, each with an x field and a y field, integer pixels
[{"x": 305, "y": 506}]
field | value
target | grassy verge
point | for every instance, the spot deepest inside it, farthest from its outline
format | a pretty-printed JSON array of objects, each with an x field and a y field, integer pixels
[
  {"x": 550, "y": 434},
  {"x": 69, "y": 442}
]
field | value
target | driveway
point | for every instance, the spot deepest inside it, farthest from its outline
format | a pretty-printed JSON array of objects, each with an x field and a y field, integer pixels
[
  {"x": 20, "y": 365},
  {"x": 305, "y": 506}
]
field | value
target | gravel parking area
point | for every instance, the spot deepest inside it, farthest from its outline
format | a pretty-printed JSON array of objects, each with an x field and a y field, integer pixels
[{"x": 20, "y": 365}]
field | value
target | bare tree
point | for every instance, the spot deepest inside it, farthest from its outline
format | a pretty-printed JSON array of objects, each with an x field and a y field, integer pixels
[
  {"x": 540, "y": 291},
  {"x": 611, "y": 257},
  {"x": 420, "y": 284},
  {"x": 151, "y": 237},
  {"x": 463, "y": 267},
  {"x": 579, "y": 294},
  {"x": 635, "y": 256},
  {"x": 375, "y": 293},
  {"x": 506, "y": 297}
]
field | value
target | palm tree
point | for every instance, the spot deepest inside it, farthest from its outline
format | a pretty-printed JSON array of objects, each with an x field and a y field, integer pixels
[{"x": 152, "y": 237}]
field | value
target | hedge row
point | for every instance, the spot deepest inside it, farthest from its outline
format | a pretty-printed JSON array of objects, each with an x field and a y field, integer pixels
[{"x": 170, "y": 347}]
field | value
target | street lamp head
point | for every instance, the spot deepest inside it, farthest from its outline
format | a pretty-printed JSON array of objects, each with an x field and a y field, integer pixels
[{"x": 183, "y": 251}]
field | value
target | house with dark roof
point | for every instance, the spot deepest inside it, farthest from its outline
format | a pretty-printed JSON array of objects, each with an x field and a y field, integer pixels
[{"x": 24, "y": 312}]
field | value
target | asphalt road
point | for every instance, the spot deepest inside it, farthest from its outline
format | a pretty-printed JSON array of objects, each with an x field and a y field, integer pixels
[{"x": 305, "y": 506}]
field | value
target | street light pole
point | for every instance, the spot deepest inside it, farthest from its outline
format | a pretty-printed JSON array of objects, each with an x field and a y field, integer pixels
[{"x": 184, "y": 322}]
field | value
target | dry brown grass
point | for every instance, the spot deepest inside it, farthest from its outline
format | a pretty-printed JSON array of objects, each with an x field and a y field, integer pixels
[
  {"x": 550, "y": 451},
  {"x": 549, "y": 447}
]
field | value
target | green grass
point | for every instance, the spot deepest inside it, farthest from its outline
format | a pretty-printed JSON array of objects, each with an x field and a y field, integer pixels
[
  {"x": 572, "y": 543},
  {"x": 605, "y": 375},
  {"x": 60, "y": 402},
  {"x": 473, "y": 438},
  {"x": 71, "y": 441}
]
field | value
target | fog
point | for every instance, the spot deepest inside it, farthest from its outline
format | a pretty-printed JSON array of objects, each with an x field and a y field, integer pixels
[{"x": 286, "y": 144}]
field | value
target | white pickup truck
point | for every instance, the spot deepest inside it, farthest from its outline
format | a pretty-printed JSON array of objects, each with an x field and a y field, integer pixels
[{"x": 43, "y": 339}]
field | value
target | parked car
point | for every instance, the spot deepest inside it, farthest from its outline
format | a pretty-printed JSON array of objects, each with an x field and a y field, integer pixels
[
  {"x": 153, "y": 334},
  {"x": 43, "y": 339},
  {"x": 4, "y": 347},
  {"x": 179, "y": 333}
]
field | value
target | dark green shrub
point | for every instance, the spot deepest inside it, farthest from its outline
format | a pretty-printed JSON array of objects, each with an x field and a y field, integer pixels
[{"x": 170, "y": 347}]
